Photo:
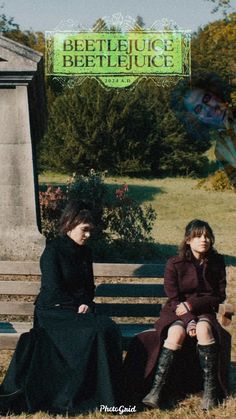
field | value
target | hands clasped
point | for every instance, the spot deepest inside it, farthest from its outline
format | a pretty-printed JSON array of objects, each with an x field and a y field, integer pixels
[{"x": 181, "y": 309}]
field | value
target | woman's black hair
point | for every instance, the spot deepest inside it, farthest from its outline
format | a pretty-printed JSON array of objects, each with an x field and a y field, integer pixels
[
  {"x": 194, "y": 228},
  {"x": 75, "y": 212}
]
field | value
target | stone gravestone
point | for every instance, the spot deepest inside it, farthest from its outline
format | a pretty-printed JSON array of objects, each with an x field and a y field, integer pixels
[{"x": 22, "y": 110}]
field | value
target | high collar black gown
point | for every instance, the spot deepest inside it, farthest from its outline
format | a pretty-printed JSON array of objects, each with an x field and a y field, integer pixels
[{"x": 68, "y": 363}]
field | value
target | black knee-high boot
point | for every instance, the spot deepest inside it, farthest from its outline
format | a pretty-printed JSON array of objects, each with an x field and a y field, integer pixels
[
  {"x": 209, "y": 364},
  {"x": 162, "y": 370}
]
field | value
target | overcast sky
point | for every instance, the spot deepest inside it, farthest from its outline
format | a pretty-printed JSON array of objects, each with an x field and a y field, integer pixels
[{"x": 43, "y": 15}]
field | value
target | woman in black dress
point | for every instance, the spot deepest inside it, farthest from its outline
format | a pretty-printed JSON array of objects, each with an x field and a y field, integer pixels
[{"x": 70, "y": 361}]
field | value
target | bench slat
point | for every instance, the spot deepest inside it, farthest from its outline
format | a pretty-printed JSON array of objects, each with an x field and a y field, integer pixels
[
  {"x": 102, "y": 290},
  {"x": 127, "y": 329},
  {"x": 110, "y": 309},
  {"x": 8, "y": 267},
  {"x": 9, "y": 341},
  {"x": 130, "y": 290},
  {"x": 129, "y": 270},
  {"x": 15, "y": 327},
  {"x": 129, "y": 310},
  {"x": 19, "y": 288},
  {"x": 100, "y": 269},
  {"x": 131, "y": 329},
  {"x": 20, "y": 308},
  {"x": 114, "y": 310}
]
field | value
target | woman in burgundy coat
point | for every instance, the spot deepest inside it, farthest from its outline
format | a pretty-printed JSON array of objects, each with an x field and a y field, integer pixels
[{"x": 165, "y": 361}]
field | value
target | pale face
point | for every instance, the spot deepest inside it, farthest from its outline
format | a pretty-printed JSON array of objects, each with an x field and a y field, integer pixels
[
  {"x": 199, "y": 245},
  {"x": 206, "y": 107},
  {"x": 81, "y": 233}
]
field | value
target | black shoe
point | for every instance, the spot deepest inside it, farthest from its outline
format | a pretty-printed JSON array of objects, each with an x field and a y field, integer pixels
[
  {"x": 209, "y": 363},
  {"x": 162, "y": 370}
]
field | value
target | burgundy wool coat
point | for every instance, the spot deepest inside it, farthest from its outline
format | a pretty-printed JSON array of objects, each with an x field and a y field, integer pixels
[{"x": 204, "y": 292}]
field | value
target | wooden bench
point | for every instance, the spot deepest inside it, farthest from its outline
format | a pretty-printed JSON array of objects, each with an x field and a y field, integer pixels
[{"x": 134, "y": 299}]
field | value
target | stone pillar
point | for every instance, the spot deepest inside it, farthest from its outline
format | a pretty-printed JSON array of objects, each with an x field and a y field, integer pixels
[{"x": 21, "y": 79}]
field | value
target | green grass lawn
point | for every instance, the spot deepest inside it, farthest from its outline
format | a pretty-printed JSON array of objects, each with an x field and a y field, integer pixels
[
  {"x": 52, "y": 178},
  {"x": 177, "y": 201}
]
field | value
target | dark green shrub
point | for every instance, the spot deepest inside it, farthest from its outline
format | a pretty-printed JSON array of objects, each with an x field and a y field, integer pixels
[
  {"x": 92, "y": 190},
  {"x": 122, "y": 226},
  {"x": 127, "y": 221},
  {"x": 51, "y": 202}
]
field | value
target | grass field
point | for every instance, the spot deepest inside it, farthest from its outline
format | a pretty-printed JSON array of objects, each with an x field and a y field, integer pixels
[{"x": 176, "y": 202}]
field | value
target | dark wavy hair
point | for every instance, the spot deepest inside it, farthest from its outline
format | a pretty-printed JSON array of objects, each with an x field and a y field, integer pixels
[
  {"x": 208, "y": 81},
  {"x": 74, "y": 213},
  {"x": 195, "y": 228}
]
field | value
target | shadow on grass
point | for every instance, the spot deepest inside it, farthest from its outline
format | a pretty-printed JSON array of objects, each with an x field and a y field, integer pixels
[
  {"x": 145, "y": 252},
  {"x": 138, "y": 192},
  {"x": 123, "y": 252}
]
